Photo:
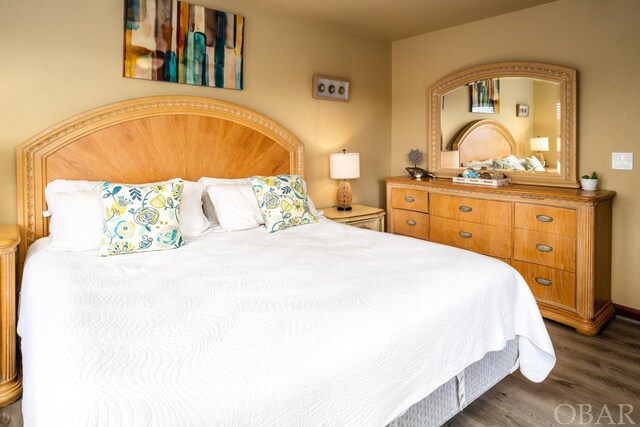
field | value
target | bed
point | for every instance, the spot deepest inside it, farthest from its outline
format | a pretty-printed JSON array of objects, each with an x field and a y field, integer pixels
[
  {"x": 483, "y": 139},
  {"x": 488, "y": 143},
  {"x": 320, "y": 324}
]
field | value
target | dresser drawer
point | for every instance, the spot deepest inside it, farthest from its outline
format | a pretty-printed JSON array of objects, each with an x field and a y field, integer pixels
[
  {"x": 409, "y": 223},
  {"x": 546, "y": 249},
  {"x": 487, "y": 212},
  {"x": 410, "y": 199},
  {"x": 546, "y": 219},
  {"x": 486, "y": 239},
  {"x": 549, "y": 284}
]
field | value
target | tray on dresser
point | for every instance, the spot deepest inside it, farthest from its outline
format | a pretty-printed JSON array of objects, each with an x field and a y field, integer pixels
[{"x": 480, "y": 181}]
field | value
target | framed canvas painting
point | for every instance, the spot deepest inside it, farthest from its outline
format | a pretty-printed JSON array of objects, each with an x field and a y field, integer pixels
[
  {"x": 484, "y": 96},
  {"x": 175, "y": 41}
]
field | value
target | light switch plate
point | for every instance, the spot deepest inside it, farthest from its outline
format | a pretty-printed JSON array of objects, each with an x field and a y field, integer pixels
[{"x": 622, "y": 161}]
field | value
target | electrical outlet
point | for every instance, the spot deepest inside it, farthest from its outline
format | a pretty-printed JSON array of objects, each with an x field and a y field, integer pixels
[{"x": 622, "y": 161}]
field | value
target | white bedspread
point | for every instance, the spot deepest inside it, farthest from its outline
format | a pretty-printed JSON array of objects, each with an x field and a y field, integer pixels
[{"x": 322, "y": 324}]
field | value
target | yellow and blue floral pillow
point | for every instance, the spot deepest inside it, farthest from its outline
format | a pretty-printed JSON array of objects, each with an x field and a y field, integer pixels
[
  {"x": 282, "y": 200},
  {"x": 140, "y": 218}
]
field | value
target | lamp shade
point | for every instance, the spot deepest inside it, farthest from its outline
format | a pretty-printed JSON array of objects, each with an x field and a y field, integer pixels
[
  {"x": 540, "y": 143},
  {"x": 344, "y": 165}
]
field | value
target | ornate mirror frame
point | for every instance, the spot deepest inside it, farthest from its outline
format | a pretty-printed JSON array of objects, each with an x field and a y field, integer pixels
[{"x": 564, "y": 76}]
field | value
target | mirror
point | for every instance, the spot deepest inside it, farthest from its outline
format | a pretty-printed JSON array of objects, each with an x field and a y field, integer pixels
[{"x": 518, "y": 117}]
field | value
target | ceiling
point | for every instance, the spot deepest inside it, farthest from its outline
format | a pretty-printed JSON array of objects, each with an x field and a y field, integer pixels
[{"x": 392, "y": 20}]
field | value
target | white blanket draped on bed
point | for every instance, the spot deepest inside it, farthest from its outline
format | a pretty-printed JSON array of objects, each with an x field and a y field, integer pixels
[{"x": 322, "y": 324}]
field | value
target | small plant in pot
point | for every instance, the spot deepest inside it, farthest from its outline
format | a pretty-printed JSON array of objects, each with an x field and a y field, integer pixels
[{"x": 589, "y": 182}]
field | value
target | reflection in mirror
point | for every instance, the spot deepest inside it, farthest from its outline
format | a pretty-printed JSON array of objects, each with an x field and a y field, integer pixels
[
  {"x": 518, "y": 116},
  {"x": 540, "y": 118}
]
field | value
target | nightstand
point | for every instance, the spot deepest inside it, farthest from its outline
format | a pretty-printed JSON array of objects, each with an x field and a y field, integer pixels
[
  {"x": 10, "y": 382},
  {"x": 360, "y": 216}
]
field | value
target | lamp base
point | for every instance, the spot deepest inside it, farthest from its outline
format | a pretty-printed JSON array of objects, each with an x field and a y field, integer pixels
[
  {"x": 540, "y": 157},
  {"x": 343, "y": 195}
]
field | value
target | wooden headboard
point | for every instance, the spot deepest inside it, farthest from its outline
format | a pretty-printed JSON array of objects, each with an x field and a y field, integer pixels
[
  {"x": 482, "y": 140},
  {"x": 146, "y": 140}
]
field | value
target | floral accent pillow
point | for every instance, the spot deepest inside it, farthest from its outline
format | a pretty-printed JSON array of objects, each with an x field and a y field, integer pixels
[
  {"x": 502, "y": 164},
  {"x": 140, "y": 218},
  {"x": 282, "y": 200},
  {"x": 533, "y": 164}
]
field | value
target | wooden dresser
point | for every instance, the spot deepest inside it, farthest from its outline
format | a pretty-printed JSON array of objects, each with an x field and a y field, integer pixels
[{"x": 559, "y": 239}]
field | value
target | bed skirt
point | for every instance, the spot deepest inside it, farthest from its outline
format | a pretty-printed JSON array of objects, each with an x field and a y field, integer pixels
[{"x": 454, "y": 395}]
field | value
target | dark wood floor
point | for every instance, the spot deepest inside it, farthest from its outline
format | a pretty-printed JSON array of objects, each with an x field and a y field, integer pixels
[
  {"x": 599, "y": 373},
  {"x": 590, "y": 371}
]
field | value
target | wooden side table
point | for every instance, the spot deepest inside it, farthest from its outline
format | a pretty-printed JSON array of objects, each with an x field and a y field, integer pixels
[
  {"x": 360, "y": 216},
  {"x": 10, "y": 381}
]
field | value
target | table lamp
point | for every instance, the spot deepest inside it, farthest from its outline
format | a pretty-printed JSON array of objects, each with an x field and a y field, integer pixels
[
  {"x": 539, "y": 144},
  {"x": 344, "y": 166}
]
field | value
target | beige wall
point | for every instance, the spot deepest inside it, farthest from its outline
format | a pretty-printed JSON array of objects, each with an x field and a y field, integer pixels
[
  {"x": 61, "y": 58},
  {"x": 545, "y": 119},
  {"x": 599, "y": 38}
]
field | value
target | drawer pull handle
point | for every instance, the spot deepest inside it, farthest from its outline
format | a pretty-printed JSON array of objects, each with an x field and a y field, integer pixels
[
  {"x": 409, "y": 199},
  {"x": 543, "y": 248},
  {"x": 544, "y": 218},
  {"x": 465, "y": 209},
  {"x": 543, "y": 282},
  {"x": 411, "y": 222},
  {"x": 465, "y": 235}
]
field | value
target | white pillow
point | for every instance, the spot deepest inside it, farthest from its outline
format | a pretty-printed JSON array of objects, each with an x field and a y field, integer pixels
[
  {"x": 236, "y": 206},
  {"x": 210, "y": 211},
  {"x": 78, "y": 221},
  {"x": 68, "y": 237},
  {"x": 223, "y": 181},
  {"x": 55, "y": 188},
  {"x": 312, "y": 206},
  {"x": 193, "y": 222},
  {"x": 477, "y": 164},
  {"x": 207, "y": 205}
]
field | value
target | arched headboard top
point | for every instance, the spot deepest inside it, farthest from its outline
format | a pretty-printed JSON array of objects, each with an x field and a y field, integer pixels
[
  {"x": 482, "y": 140},
  {"x": 146, "y": 140}
]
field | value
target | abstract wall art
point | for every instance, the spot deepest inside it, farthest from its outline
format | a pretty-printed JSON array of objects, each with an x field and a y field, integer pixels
[
  {"x": 484, "y": 96},
  {"x": 174, "y": 41}
]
